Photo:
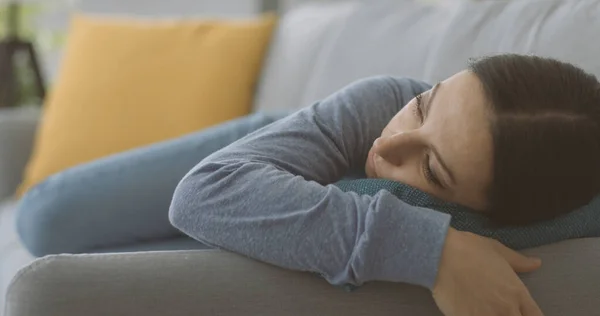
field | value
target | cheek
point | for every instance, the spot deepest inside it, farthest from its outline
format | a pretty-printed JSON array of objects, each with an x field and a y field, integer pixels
[{"x": 407, "y": 173}]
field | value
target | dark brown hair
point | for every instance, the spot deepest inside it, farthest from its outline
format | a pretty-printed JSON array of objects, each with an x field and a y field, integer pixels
[{"x": 546, "y": 136}]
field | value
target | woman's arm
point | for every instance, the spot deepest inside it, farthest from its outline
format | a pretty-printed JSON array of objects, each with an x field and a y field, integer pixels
[{"x": 266, "y": 195}]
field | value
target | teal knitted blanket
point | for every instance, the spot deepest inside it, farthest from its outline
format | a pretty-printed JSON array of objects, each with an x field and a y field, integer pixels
[{"x": 583, "y": 222}]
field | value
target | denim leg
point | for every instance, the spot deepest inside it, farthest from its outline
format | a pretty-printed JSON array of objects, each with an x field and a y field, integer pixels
[{"x": 122, "y": 199}]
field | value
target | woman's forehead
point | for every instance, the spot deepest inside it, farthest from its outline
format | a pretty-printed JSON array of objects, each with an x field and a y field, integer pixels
[{"x": 459, "y": 128}]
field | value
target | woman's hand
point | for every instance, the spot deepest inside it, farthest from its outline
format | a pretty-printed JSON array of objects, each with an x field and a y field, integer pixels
[{"x": 477, "y": 277}]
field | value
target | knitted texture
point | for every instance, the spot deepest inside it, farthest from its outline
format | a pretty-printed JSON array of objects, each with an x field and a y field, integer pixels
[{"x": 583, "y": 222}]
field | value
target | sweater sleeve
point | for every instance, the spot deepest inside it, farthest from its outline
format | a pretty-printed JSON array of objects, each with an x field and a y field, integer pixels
[{"x": 269, "y": 195}]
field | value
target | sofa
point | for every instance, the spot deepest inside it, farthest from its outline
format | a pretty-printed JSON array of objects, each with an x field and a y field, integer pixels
[
  {"x": 17, "y": 129},
  {"x": 317, "y": 49}
]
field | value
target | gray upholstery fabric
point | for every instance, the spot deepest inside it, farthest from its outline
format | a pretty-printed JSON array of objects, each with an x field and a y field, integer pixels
[
  {"x": 212, "y": 282},
  {"x": 177, "y": 243},
  {"x": 348, "y": 40},
  {"x": 13, "y": 255},
  {"x": 17, "y": 130}
]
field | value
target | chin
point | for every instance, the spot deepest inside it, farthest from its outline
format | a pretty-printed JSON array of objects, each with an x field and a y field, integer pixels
[
  {"x": 369, "y": 174},
  {"x": 369, "y": 166}
]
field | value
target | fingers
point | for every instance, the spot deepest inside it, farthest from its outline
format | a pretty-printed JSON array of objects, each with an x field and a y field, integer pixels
[
  {"x": 529, "y": 307},
  {"x": 519, "y": 262},
  {"x": 522, "y": 264}
]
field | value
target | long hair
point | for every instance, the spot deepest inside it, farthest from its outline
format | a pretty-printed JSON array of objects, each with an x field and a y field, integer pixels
[{"x": 546, "y": 136}]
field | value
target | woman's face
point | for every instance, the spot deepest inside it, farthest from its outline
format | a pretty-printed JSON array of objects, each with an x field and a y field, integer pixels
[{"x": 440, "y": 143}]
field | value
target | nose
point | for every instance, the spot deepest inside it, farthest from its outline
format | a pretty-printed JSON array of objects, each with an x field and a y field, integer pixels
[{"x": 398, "y": 147}]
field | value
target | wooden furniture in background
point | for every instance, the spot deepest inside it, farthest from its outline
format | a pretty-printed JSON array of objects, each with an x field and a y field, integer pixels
[{"x": 10, "y": 48}]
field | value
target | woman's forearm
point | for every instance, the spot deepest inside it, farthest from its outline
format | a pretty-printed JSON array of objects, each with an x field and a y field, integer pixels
[{"x": 267, "y": 195}]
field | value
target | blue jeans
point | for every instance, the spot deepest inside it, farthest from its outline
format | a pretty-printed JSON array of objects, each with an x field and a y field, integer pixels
[{"x": 121, "y": 200}]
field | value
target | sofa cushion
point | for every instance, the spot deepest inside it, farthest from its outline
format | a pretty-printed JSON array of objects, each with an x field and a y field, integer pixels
[
  {"x": 302, "y": 37},
  {"x": 17, "y": 131},
  {"x": 13, "y": 255},
  {"x": 563, "y": 29},
  {"x": 417, "y": 39},
  {"x": 384, "y": 37}
]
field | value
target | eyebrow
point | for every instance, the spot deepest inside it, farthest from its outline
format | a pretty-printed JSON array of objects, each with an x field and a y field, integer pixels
[
  {"x": 430, "y": 99},
  {"x": 433, "y": 149}
]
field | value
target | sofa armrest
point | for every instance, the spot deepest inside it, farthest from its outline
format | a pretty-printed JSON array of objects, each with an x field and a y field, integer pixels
[
  {"x": 17, "y": 132},
  {"x": 212, "y": 282}
]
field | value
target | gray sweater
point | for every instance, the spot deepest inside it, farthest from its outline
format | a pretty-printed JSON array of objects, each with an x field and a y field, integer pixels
[{"x": 268, "y": 195}]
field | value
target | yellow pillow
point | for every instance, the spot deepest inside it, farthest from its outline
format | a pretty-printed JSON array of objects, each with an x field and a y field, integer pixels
[{"x": 126, "y": 83}]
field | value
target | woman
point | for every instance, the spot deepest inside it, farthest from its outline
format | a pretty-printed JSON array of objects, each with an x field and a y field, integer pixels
[{"x": 514, "y": 136}]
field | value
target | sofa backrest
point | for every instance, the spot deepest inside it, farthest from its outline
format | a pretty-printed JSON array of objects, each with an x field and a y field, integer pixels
[{"x": 320, "y": 48}]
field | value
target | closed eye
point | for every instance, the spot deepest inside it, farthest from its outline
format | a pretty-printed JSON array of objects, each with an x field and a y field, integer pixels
[{"x": 429, "y": 173}]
